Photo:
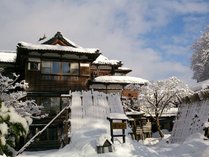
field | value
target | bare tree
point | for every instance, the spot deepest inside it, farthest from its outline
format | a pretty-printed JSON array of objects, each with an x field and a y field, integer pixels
[{"x": 156, "y": 98}]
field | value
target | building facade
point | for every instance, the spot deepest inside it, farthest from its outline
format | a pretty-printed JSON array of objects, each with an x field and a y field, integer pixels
[{"x": 52, "y": 69}]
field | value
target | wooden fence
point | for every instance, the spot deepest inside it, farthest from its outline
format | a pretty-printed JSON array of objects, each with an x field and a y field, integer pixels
[{"x": 191, "y": 117}]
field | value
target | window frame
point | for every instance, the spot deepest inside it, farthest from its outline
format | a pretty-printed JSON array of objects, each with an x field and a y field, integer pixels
[{"x": 59, "y": 74}]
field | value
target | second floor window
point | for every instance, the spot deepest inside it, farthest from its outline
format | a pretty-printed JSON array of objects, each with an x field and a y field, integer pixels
[
  {"x": 33, "y": 66},
  {"x": 64, "y": 68},
  {"x": 70, "y": 68}
]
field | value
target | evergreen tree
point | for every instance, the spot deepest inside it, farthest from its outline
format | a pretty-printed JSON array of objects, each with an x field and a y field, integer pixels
[
  {"x": 12, "y": 126},
  {"x": 200, "y": 57},
  {"x": 15, "y": 113}
]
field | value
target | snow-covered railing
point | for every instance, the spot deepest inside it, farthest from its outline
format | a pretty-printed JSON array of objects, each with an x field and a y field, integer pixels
[
  {"x": 41, "y": 131},
  {"x": 85, "y": 105}
]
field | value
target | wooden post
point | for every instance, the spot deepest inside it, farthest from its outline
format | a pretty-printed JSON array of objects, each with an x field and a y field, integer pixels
[
  {"x": 117, "y": 125},
  {"x": 123, "y": 132},
  {"x": 111, "y": 130}
]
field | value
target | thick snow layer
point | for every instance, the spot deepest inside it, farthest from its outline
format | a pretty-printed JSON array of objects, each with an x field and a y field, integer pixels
[
  {"x": 124, "y": 68},
  {"x": 104, "y": 60},
  {"x": 200, "y": 86},
  {"x": 190, "y": 119},
  {"x": 117, "y": 116},
  {"x": 101, "y": 140},
  {"x": 85, "y": 146},
  {"x": 7, "y": 56},
  {"x": 55, "y": 48},
  {"x": 94, "y": 127},
  {"x": 168, "y": 112},
  {"x": 120, "y": 79},
  {"x": 72, "y": 43}
]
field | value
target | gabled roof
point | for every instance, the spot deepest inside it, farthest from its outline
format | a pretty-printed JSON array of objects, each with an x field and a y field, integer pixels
[
  {"x": 30, "y": 46},
  {"x": 59, "y": 39},
  {"x": 104, "y": 60},
  {"x": 57, "y": 43},
  {"x": 124, "y": 70}
]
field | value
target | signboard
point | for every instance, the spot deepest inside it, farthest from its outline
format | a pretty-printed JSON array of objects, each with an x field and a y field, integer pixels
[{"x": 118, "y": 125}]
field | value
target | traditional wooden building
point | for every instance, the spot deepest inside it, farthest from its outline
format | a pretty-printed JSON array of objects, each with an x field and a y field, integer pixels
[
  {"x": 115, "y": 84},
  {"x": 52, "y": 68},
  {"x": 103, "y": 66}
]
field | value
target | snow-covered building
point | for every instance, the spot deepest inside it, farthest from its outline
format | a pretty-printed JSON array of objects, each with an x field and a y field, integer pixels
[
  {"x": 115, "y": 83},
  {"x": 7, "y": 62},
  {"x": 103, "y": 66},
  {"x": 56, "y": 66}
]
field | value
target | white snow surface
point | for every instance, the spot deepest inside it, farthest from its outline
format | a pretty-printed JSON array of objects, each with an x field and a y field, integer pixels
[
  {"x": 200, "y": 86},
  {"x": 120, "y": 79},
  {"x": 55, "y": 47},
  {"x": 191, "y": 119},
  {"x": 93, "y": 127},
  {"x": 124, "y": 68},
  {"x": 101, "y": 59},
  {"x": 72, "y": 43},
  {"x": 7, "y": 56}
]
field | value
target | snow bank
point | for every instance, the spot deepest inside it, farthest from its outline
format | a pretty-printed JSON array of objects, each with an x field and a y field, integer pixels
[
  {"x": 92, "y": 128},
  {"x": 194, "y": 146}
]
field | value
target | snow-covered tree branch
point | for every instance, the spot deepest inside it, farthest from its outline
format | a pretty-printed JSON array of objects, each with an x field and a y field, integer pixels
[
  {"x": 12, "y": 94},
  {"x": 200, "y": 57},
  {"x": 157, "y": 97},
  {"x": 15, "y": 113}
]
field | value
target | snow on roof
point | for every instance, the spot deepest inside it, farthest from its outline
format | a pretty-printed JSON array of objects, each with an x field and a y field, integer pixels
[
  {"x": 8, "y": 56},
  {"x": 120, "y": 79},
  {"x": 56, "y": 48},
  {"x": 131, "y": 113},
  {"x": 124, "y": 68},
  {"x": 101, "y": 140},
  {"x": 117, "y": 116},
  {"x": 72, "y": 43},
  {"x": 167, "y": 113},
  {"x": 104, "y": 60},
  {"x": 200, "y": 85}
]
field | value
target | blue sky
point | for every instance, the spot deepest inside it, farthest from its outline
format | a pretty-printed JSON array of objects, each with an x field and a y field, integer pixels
[{"x": 152, "y": 37}]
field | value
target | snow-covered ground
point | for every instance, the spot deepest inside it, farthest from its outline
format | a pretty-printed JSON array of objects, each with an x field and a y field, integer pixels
[
  {"x": 93, "y": 126},
  {"x": 85, "y": 146}
]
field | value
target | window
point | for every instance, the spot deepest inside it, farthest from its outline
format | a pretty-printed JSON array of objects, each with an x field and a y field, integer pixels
[
  {"x": 52, "y": 133},
  {"x": 59, "y": 70},
  {"x": 74, "y": 69},
  {"x": 34, "y": 64},
  {"x": 55, "y": 67},
  {"x": 70, "y": 68},
  {"x": 66, "y": 68},
  {"x": 46, "y": 67},
  {"x": 51, "y": 105},
  {"x": 65, "y": 102},
  {"x": 84, "y": 69}
]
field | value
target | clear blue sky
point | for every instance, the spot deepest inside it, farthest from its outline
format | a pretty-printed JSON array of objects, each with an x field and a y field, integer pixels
[{"x": 152, "y": 37}]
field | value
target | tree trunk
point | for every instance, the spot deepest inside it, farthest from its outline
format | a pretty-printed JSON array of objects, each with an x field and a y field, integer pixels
[{"x": 158, "y": 127}]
